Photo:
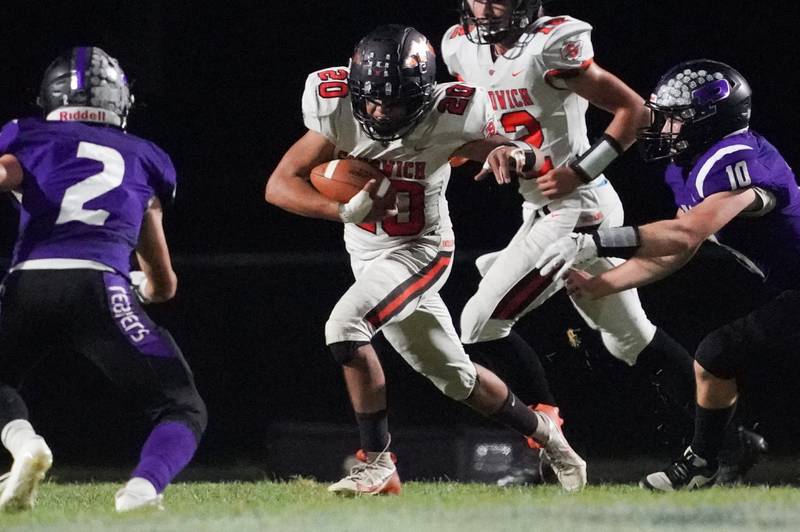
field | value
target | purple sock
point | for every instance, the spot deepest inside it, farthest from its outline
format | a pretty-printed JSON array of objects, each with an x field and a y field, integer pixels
[{"x": 166, "y": 452}]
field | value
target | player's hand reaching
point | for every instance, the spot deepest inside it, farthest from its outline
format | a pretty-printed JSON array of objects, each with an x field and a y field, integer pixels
[
  {"x": 580, "y": 284},
  {"x": 504, "y": 162},
  {"x": 558, "y": 182},
  {"x": 372, "y": 203},
  {"x": 565, "y": 253}
]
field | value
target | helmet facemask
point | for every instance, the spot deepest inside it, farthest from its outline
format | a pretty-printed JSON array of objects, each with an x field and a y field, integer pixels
[
  {"x": 495, "y": 30},
  {"x": 709, "y": 99},
  {"x": 394, "y": 67}
]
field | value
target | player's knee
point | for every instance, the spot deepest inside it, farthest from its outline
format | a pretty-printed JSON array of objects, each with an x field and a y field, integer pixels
[
  {"x": 718, "y": 355},
  {"x": 345, "y": 353},
  {"x": 456, "y": 381},
  {"x": 627, "y": 345}
]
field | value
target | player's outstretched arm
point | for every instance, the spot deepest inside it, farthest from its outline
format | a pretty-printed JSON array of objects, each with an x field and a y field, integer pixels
[
  {"x": 10, "y": 173},
  {"x": 153, "y": 255},
  {"x": 288, "y": 186},
  {"x": 502, "y": 157}
]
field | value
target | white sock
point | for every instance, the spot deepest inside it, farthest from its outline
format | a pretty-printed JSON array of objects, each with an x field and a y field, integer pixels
[
  {"x": 141, "y": 486},
  {"x": 16, "y": 434}
]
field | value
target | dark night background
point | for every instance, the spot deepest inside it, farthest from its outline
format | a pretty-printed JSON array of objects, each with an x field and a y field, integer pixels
[{"x": 218, "y": 87}]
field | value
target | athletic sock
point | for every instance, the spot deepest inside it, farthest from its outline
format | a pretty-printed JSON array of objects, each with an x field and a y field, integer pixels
[
  {"x": 709, "y": 433},
  {"x": 673, "y": 368},
  {"x": 516, "y": 415},
  {"x": 166, "y": 452},
  {"x": 373, "y": 428}
]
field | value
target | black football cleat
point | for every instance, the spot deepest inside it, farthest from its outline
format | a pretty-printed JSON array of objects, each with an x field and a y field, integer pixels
[
  {"x": 688, "y": 472},
  {"x": 742, "y": 450}
]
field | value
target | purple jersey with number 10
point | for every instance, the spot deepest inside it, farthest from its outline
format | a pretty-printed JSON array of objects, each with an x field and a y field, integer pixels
[
  {"x": 85, "y": 189},
  {"x": 743, "y": 160}
]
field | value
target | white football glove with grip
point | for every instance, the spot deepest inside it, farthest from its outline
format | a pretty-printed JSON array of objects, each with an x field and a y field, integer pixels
[
  {"x": 360, "y": 205},
  {"x": 565, "y": 253},
  {"x": 139, "y": 283}
]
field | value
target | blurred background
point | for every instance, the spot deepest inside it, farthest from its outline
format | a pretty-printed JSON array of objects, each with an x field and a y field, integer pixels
[{"x": 218, "y": 87}]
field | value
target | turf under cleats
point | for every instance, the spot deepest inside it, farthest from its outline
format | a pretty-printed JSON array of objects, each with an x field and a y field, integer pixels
[
  {"x": 138, "y": 494},
  {"x": 688, "y": 472},
  {"x": 570, "y": 469},
  {"x": 743, "y": 448},
  {"x": 374, "y": 474},
  {"x": 18, "y": 488}
]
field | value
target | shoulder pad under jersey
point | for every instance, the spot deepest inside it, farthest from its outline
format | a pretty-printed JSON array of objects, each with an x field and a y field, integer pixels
[
  {"x": 324, "y": 93},
  {"x": 454, "y": 38},
  {"x": 726, "y": 167},
  {"x": 567, "y": 46},
  {"x": 466, "y": 110}
]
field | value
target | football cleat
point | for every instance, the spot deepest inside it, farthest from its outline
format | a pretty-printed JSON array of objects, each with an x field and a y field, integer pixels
[
  {"x": 374, "y": 474},
  {"x": 551, "y": 412},
  {"x": 688, "y": 472},
  {"x": 138, "y": 494},
  {"x": 18, "y": 488},
  {"x": 742, "y": 451},
  {"x": 562, "y": 459}
]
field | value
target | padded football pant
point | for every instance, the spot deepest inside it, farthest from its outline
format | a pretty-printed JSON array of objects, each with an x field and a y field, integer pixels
[
  {"x": 397, "y": 292},
  {"x": 96, "y": 314},
  {"x": 511, "y": 287}
]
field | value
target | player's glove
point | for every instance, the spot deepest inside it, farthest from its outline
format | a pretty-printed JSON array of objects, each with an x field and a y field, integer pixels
[
  {"x": 138, "y": 284},
  {"x": 355, "y": 210},
  {"x": 566, "y": 252}
]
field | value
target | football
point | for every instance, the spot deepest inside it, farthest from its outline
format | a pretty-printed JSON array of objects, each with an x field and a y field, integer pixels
[{"x": 341, "y": 179}]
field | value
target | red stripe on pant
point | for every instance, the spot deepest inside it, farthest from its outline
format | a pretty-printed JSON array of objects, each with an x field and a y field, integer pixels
[
  {"x": 521, "y": 295},
  {"x": 408, "y": 290}
]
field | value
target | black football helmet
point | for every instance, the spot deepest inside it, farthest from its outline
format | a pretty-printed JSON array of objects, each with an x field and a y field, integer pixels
[
  {"x": 393, "y": 65},
  {"x": 709, "y": 98},
  {"x": 86, "y": 84},
  {"x": 491, "y": 31}
]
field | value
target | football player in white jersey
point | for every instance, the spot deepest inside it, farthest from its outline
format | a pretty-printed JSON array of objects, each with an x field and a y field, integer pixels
[
  {"x": 540, "y": 75},
  {"x": 387, "y": 109}
]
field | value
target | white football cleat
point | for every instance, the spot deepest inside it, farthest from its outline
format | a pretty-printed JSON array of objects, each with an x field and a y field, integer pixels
[
  {"x": 564, "y": 461},
  {"x": 374, "y": 474},
  {"x": 136, "y": 494},
  {"x": 18, "y": 488}
]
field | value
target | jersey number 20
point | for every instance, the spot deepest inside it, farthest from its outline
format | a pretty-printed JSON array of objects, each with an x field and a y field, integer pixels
[{"x": 94, "y": 186}]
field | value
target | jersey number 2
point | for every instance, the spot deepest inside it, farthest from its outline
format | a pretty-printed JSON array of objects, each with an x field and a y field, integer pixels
[{"x": 94, "y": 186}]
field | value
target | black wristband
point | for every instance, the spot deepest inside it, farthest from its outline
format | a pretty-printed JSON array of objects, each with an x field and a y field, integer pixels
[{"x": 622, "y": 242}]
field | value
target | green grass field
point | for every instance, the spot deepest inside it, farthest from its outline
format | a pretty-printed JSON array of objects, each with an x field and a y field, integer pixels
[{"x": 304, "y": 505}]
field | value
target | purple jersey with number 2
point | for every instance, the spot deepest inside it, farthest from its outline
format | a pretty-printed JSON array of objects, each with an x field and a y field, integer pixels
[
  {"x": 85, "y": 189},
  {"x": 743, "y": 160}
]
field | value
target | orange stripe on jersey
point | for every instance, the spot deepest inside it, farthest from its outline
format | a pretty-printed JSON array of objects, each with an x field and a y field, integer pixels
[
  {"x": 409, "y": 289},
  {"x": 521, "y": 295},
  {"x": 569, "y": 72}
]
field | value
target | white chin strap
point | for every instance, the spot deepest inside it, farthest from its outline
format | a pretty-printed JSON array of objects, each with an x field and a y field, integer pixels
[{"x": 84, "y": 114}]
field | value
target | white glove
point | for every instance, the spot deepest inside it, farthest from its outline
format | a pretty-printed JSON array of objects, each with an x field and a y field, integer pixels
[
  {"x": 355, "y": 210},
  {"x": 566, "y": 252},
  {"x": 139, "y": 283}
]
